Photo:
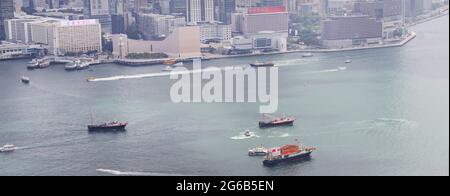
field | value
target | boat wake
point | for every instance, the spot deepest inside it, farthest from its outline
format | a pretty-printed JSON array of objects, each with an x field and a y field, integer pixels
[
  {"x": 129, "y": 173},
  {"x": 321, "y": 71},
  {"x": 242, "y": 136},
  {"x": 280, "y": 135}
]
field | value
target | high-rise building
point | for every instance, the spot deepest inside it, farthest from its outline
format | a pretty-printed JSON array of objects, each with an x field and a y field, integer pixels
[
  {"x": 53, "y": 4},
  {"x": 199, "y": 11},
  {"x": 117, "y": 7},
  {"x": 162, "y": 6},
  {"x": 380, "y": 9},
  {"x": 139, "y": 4},
  {"x": 39, "y": 4},
  {"x": 224, "y": 10},
  {"x": 178, "y": 7},
  {"x": 269, "y": 3},
  {"x": 100, "y": 10},
  {"x": 156, "y": 26},
  {"x": 6, "y": 12},
  {"x": 261, "y": 19}
]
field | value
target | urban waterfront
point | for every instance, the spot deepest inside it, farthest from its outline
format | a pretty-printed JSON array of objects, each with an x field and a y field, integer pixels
[{"x": 386, "y": 114}]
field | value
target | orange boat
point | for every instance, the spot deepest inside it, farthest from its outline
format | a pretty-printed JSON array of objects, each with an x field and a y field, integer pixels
[{"x": 170, "y": 62}]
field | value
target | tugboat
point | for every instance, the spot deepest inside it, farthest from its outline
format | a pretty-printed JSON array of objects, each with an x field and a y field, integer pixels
[
  {"x": 268, "y": 121},
  {"x": 258, "y": 151},
  {"x": 25, "y": 80},
  {"x": 7, "y": 148},
  {"x": 287, "y": 153},
  {"x": 112, "y": 126},
  {"x": 264, "y": 64}
]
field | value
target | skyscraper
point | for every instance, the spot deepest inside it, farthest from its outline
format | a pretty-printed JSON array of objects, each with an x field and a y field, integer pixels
[
  {"x": 224, "y": 9},
  {"x": 199, "y": 11},
  {"x": 100, "y": 10},
  {"x": 6, "y": 11},
  {"x": 53, "y": 4},
  {"x": 178, "y": 6}
]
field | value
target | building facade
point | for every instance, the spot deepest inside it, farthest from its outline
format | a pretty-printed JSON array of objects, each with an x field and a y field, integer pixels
[
  {"x": 258, "y": 19},
  {"x": 6, "y": 12},
  {"x": 99, "y": 10},
  {"x": 156, "y": 26},
  {"x": 215, "y": 32},
  {"x": 224, "y": 9},
  {"x": 60, "y": 36},
  {"x": 199, "y": 11},
  {"x": 184, "y": 42},
  {"x": 348, "y": 31}
]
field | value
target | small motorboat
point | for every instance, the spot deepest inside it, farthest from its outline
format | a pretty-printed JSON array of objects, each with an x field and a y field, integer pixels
[
  {"x": 179, "y": 64},
  {"x": 25, "y": 80},
  {"x": 307, "y": 54},
  {"x": 7, "y": 148},
  {"x": 247, "y": 133},
  {"x": 90, "y": 79},
  {"x": 349, "y": 60},
  {"x": 258, "y": 151},
  {"x": 168, "y": 68},
  {"x": 342, "y": 68}
]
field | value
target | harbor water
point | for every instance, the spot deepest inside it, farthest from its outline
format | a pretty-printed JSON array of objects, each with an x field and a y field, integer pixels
[{"x": 385, "y": 114}]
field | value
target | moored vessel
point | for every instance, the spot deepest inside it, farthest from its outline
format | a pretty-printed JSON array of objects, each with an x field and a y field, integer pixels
[
  {"x": 287, "y": 153},
  {"x": 83, "y": 65},
  {"x": 170, "y": 62},
  {"x": 71, "y": 66},
  {"x": 263, "y": 64}
]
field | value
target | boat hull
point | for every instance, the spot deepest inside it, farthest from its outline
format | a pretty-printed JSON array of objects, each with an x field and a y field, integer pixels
[
  {"x": 255, "y": 154},
  {"x": 269, "y": 124},
  {"x": 262, "y": 65},
  {"x": 106, "y": 128},
  {"x": 296, "y": 158}
]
